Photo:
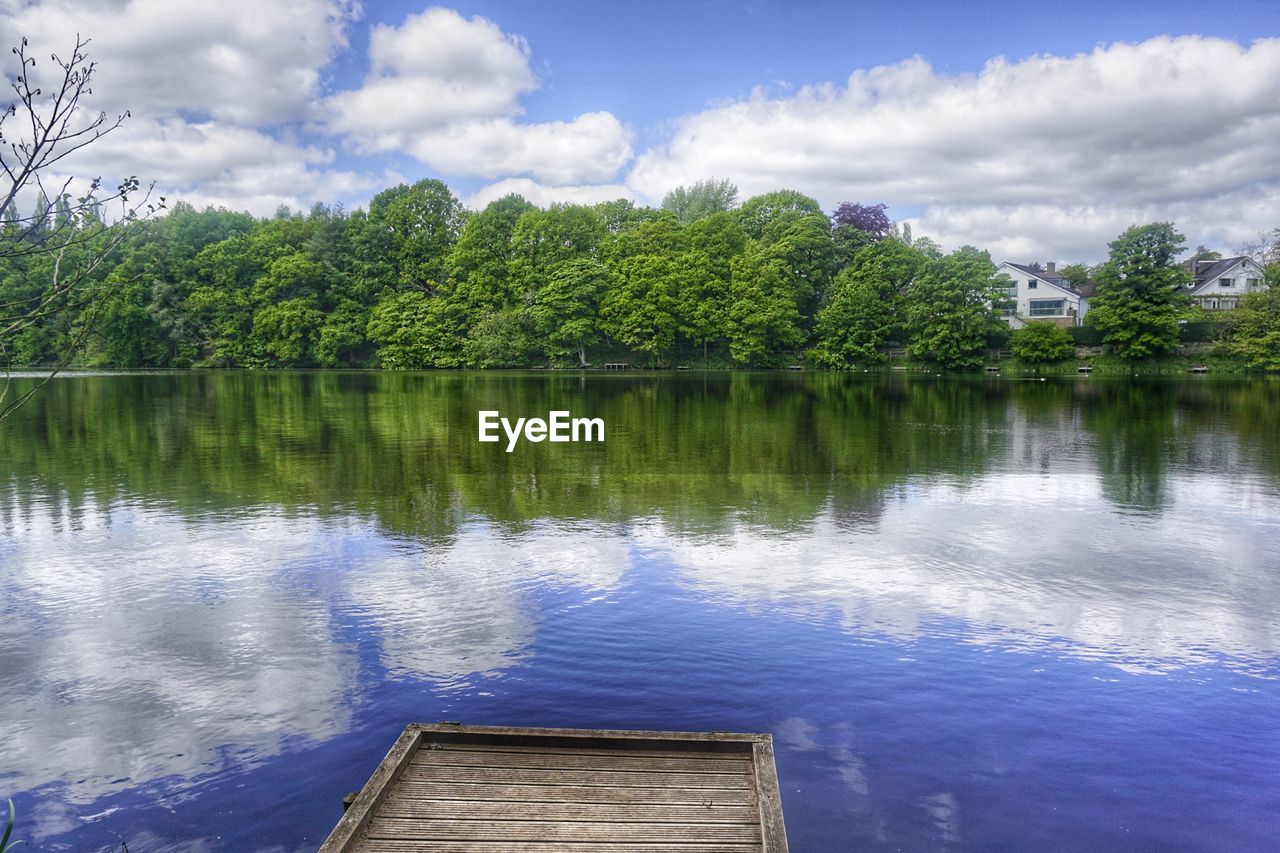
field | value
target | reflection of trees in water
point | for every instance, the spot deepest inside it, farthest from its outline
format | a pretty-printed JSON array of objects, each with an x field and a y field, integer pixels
[
  {"x": 701, "y": 450},
  {"x": 1135, "y": 428},
  {"x": 1145, "y": 431}
]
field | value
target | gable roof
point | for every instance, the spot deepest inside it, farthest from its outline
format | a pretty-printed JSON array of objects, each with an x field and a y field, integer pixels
[
  {"x": 1055, "y": 280},
  {"x": 1211, "y": 270}
]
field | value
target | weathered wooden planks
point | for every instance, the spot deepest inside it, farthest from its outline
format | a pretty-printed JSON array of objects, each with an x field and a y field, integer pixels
[
  {"x": 574, "y": 793},
  {"x": 450, "y": 787}
]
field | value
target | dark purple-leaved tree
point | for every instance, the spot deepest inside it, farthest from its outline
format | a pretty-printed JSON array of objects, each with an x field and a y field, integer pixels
[{"x": 870, "y": 219}]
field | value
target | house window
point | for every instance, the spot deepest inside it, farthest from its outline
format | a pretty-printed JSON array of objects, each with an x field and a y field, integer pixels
[
  {"x": 1048, "y": 307},
  {"x": 1226, "y": 282},
  {"x": 1008, "y": 311},
  {"x": 1254, "y": 283},
  {"x": 1212, "y": 303},
  {"x": 1031, "y": 285},
  {"x": 1011, "y": 291}
]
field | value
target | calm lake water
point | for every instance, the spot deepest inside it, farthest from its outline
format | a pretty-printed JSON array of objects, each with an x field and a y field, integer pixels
[{"x": 976, "y": 614}]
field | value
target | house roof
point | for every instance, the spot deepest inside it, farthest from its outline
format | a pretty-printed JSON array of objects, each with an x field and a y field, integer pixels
[
  {"x": 1212, "y": 270},
  {"x": 1055, "y": 280}
]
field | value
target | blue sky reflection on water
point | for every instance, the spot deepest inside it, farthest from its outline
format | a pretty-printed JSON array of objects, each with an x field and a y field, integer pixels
[
  {"x": 239, "y": 678},
  {"x": 1034, "y": 654}
]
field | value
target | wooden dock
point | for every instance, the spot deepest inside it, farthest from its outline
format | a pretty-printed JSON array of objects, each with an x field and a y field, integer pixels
[{"x": 481, "y": 788}]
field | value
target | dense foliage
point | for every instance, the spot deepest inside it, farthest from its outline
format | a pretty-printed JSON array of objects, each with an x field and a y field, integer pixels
[
  {"x": 1255, "y": 333},
  {"x": 416, "y": 281},
  {"x": 1142, "y": 292},
  {"x": 1042, "y": 343}
]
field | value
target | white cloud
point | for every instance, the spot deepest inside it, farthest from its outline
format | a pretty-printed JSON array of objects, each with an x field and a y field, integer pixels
[
  {"x": 446, "y": 89},
  {"x": 592, "y": 147},
  {"x": 241, "y": 61},
  {"x": 213, "y": 91},
  {"x": 434, "y": 69},
  {"x": 1127, "y": 133},
  {"x": 213, "y": 163},
  {"x": 545, "y": 196}
]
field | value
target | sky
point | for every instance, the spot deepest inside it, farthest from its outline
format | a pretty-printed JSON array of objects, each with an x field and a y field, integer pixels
[{"x": 1036, "y": 131}]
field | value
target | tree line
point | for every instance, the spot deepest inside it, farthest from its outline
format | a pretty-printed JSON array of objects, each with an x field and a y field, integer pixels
[{"x": 417, "y": 281}]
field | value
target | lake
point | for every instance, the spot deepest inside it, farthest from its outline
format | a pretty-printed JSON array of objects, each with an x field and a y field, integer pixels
[{"x": 975, "y": 613}]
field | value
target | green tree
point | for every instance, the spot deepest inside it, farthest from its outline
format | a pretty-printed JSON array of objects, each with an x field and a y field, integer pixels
[
  {"x": 705, "y": 275},
  {"x": 566, "y": 310},
  {"x": 757, "y": 212},
  {"x": 763, "y": 318},
  {"x": 949, "y": 309},
  {"x": 640, "y": 307},
  {"x": 498, "y": 339},
  {"x": 1077, "y": 274},
  {"x": 1042, "y": 343},
  {"x": 865, "y": 305},
  {"x": 804, "y": 242},
  {"x": 1255, "y": 333},
  {"x": 414, "y": 331},
  {"x": 418, "y": 226},
  {"x": 689, "y": 204},
  {"x": 284, "y": 332},
  {"x": 1142, "y": 292},
  {"x": 544, "y": 239},
  {"x": 478, "y": 263}
]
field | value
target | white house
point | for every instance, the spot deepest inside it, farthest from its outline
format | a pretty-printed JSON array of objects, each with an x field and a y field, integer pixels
[
  {"x": 1039, "y": 294},
  {"x": 1219, "y": 284}
]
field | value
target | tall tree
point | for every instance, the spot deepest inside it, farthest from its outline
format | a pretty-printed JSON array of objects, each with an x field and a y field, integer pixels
[
  {"x": 949, "y": 309},
  {"x": 640, "y": 307},
  {"x": 1142, "y": 292},
  {"x": 566, "y": 310},
  {"x": 764, "y": 321},
  {"x": 419, "y": 225},
  {"x": 866, "y": 305},
  {"x": 705, "y": 276}
]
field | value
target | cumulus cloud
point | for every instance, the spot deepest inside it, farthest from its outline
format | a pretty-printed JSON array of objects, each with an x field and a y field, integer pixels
[
  {"x": 592, "y": 147},
  {"x": 240, "y": 61},
  {"x": 215, "y": 93},
  {"x": 1063, "y": 151},
  {"x": 446, "y": 89},
  {"x": 434, "y": 69},
  {"x": 221, "y": 164}
]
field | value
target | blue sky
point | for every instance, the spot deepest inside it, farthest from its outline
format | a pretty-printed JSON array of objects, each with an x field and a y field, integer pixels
[{"x": 1037, "y": 132}]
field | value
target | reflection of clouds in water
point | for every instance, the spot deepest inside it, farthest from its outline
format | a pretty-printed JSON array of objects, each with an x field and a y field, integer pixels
[
  {"x": 135, "y": 646},
  {"x": 1023, "y": 558},
  {"x": 836, "y": 744},
  {"x": 449, "y": 612},
  {"x": 944, "y": 811}
]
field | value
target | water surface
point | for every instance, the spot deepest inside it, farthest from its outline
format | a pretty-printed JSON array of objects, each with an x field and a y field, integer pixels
[{"x": 975, "y": 613}]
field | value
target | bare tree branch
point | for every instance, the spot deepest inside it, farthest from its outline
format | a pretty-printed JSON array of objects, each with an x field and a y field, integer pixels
[{"x": 53, "y": 129}]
